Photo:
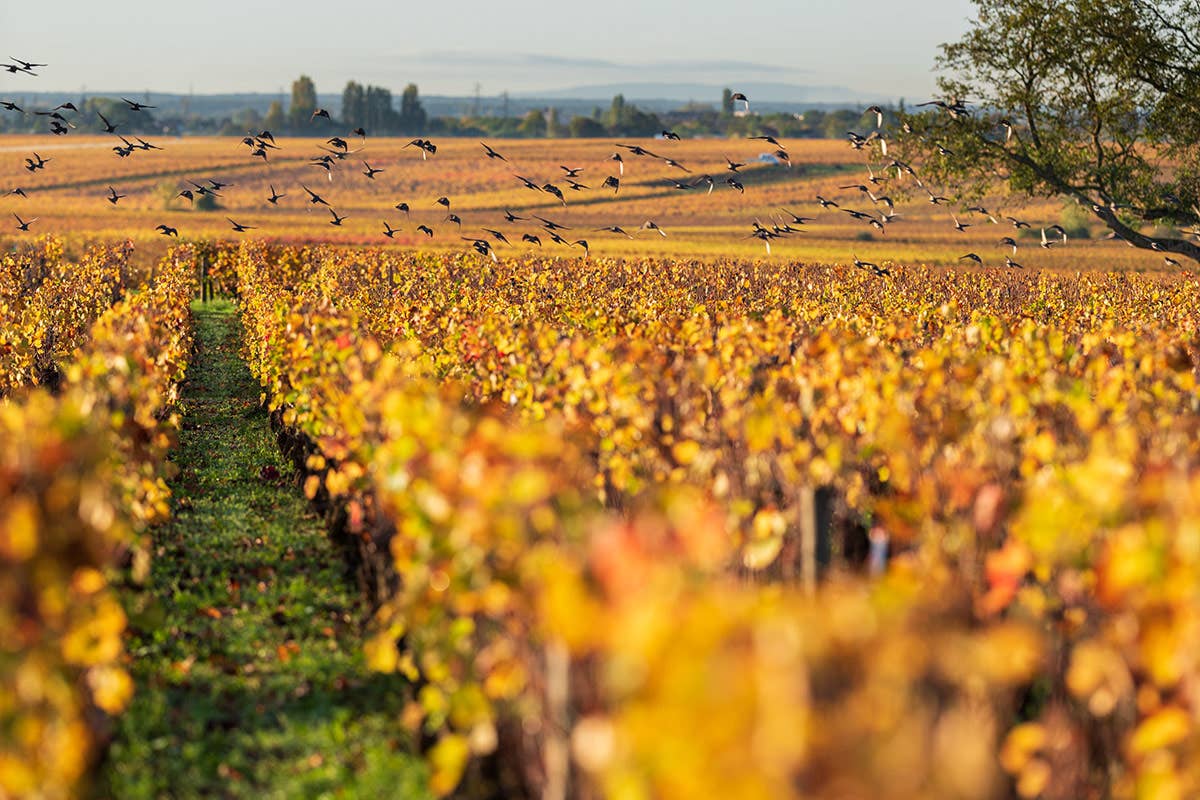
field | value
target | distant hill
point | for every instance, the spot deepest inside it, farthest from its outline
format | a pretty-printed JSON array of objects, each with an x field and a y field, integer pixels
[{"x": 774, "y": 93}]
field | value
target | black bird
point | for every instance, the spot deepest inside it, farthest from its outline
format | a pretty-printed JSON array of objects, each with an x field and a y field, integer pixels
[
  {"x": 361, "y": 133},
  {"x": 144, "y": 145},
  {"x": 706, "y": 179},
  {"x": 972, "y": 257},
  {"x": 443, "y": 201},
  {"x": 490, "y": 153},
  {"x": 550, "y": 188},
  {"x": 218, "y": 185},
  {"x": 238, "y": 227},
  {"x": 529, "y": 237},
  {"x": 314, "y": 198},
  {"x": 135, "y": 106},
  {"x": 572, "y": 172},
  {"x": 672, "y": 135},
  {"x": 401, "y": 207},
  {"x": 620, "y": 162},
  {"x": 984, "y": 211},
  {"x": 66, "y": 107},
  {"x": 638, "y": 150},
  {"x": 681, "y": 186},
  {"x": 108, "y": 126},
  {"x": 733, "y": 166},
  {"x": 612, "y": 182},
  {"x": 275, "y": 196},
  {"x": 427, "y": 147},
  {"x": 670, "y": 162},
  {"x": 1008, "y": 241},
  {"x": 511, "y": 217},
  {"x": 651, "y": 225},
  {"x": 550, "y": 225},
  {"x": 483, "y": 247},
  {"x": 878, "y": 112},
  {"x": 34, "y": 166},
  {"x": 583, "y": 243},
  {"x": 796, "y": 218},
  {"x": 576, "y": 185},
  {"x": 338, "y": 142},
  {"x": 783, "y": 156},
  {"x": 497, "y": 235},
  {"x": 736, "y": 184},
  {"x": 528, "y": 183},
  {"x": 1008, "y": 262},
  {"x": 615, "y": 229},
  {"x": 739, "y": 96},
  {"x": 1017, "y": 223},
  {"x": 113, "y": 197},
  {"x": 370, "y": 171},
  {"x": 767, "y": 139},
  {"x": 764, "y": 235},
  {"x": 26, "y": 65},
  {"x": 388, "y": 230},
  {"x": 19, "y": 192},
  {"x": 336, "y": 219},
  {"x": 457, "y": 220},
  {"x": 187, "y": 193},
  {"x": 425, "y": 229},
  {"x": 320, "y": 112},
  {"x": 879, "y": 271},
  {"x": 961, "y": 227},
  {"x": 167, "y": 230},
  {"x": 11, "y": 106},
  {"x": 267, "y": 136},
  {"x": 22, "y": 225}
]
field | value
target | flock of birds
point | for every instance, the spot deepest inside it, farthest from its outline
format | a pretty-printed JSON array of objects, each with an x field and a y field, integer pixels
[{"x": 336, "y": 150}]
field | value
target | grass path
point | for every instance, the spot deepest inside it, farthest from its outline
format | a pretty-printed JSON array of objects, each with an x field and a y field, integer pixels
[{"x": 245, "y": 643}]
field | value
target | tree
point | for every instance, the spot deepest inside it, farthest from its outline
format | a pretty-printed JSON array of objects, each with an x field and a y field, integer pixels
[
  {"x": 304, "y": 101},
  {"x": 727, "y": 101},
  {"x": 581, "y": 127},
  {"x": 553, "y": 128},
  {"x": 412, "y": 115},
  {"x": 1095, "y": 100},
  {"x": 354, "y": 105},
  {"x": 533, "y": 124},
  {"x": 274, "y": 120}
]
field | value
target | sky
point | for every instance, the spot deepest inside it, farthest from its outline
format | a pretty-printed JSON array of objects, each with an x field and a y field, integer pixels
[{"x": 875, "y": 47}]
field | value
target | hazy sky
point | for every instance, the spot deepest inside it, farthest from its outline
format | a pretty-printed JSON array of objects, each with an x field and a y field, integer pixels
[{"x": 877, "y": 47}]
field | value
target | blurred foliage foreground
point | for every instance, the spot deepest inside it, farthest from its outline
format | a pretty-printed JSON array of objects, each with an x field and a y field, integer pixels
[
  {"x": 91, "y": 356},
  {"x": 580, "y": 494}
]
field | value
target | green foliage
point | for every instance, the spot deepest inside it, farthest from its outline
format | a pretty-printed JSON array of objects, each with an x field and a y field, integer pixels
[
  {"x": 304, "y": 101},
  {"x": 412, "y": 114},
  {"x": 1093, "y": 100},
  {"x": 251, "y": 681},
  {"x": 584, "y": 128}
]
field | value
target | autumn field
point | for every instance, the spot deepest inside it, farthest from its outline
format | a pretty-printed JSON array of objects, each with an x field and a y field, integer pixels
[
  {"x": 69, "y": 200},
  {"x": 669, "y": 516}
]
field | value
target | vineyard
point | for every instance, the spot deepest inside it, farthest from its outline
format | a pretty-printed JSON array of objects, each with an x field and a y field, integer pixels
[
  {"x": 631, "y": 528},
  {"x": 583, "y": 497}
]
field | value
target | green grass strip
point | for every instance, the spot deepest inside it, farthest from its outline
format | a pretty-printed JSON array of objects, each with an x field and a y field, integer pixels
[{"x": 246, "y": 646}]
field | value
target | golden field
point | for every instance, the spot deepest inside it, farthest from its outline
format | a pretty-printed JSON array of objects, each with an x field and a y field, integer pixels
[{"x": 68, "y": 198}]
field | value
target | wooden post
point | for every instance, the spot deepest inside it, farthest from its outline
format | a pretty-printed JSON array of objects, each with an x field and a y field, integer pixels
[
  {"x": 808, "y": 541},
  {"x": 556, "y": 750}
]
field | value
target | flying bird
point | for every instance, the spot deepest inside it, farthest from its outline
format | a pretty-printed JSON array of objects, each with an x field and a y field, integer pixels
[
  {"x": 136, "y": 106},
  {"x": 113, "y": 197},
  {"x": 490, "y": 153},
  {"x": 23, "y": 225}
]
